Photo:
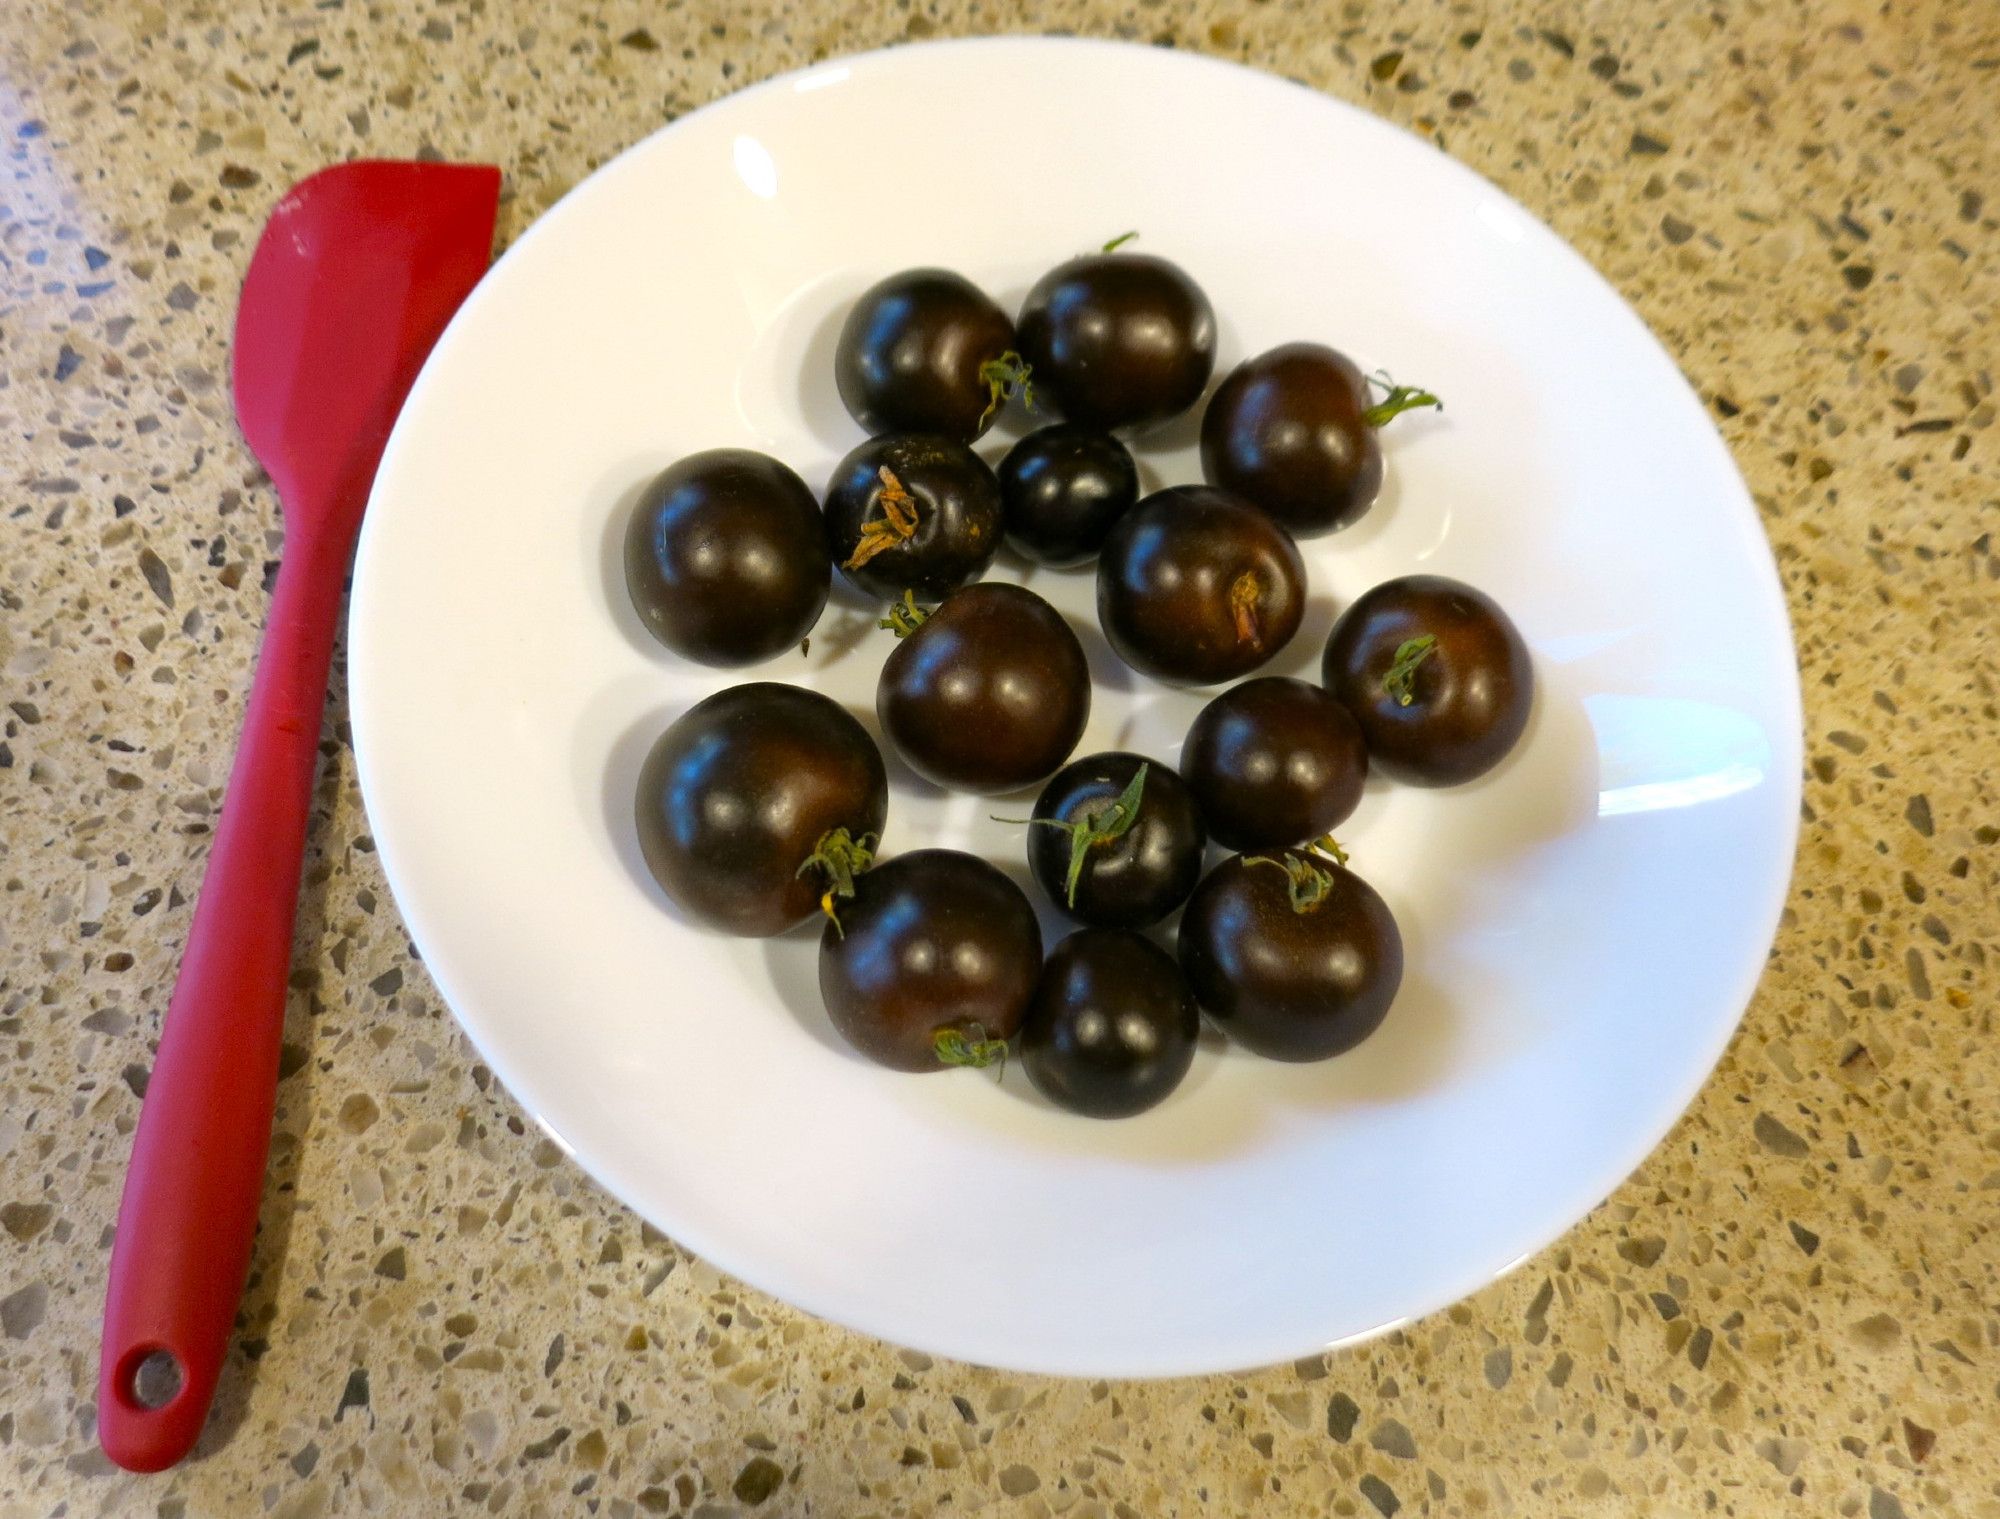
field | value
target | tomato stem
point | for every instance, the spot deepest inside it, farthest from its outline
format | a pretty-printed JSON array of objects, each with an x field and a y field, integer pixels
[
  {"x": 1400, "y": 398},
  {"x": 969, "y": 1046},
  {"x": 1006, "y": 377},
  {"x": 1401, "y": 680},
  {"x": 1329, "y": 846},
  {"x": 897, "y": 524},
  {"x": 840, "y": 857},
  {"x": 1307, "y": 879},
  {"x": 1307, "y": 883},
  {"x": 1119, "y": 241},
  {"x": 905, "y": 616},
  {"x": 1097, "y": 825}
]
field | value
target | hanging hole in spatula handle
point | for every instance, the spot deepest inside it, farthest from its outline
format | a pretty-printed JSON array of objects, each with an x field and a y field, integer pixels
[
  {"x": 148, "y": 1414},
  {"x": 151, "y": 1378}
]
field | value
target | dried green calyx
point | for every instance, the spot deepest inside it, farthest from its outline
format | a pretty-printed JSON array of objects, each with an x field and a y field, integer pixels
[
  {"x": 1401, "y": 679},
  {"x": 839, "y": 857},
  {"x": 1397, "y": 400},
  {"x": 1005, "y": 378},
  {"x": 1097, "y": 825},
  {"x": 905, "y": 616},
  {"x": 1306, "y": 873},
  {"x": 969, "y": 1046}
]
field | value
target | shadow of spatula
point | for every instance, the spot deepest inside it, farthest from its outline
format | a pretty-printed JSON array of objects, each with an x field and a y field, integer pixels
[{"x": 357, "y": 272}]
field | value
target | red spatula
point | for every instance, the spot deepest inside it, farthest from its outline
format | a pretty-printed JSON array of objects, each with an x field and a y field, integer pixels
[{"x": 357, "y": 272}]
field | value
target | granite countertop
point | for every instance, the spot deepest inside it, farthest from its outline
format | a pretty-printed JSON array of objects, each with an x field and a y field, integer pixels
[{"x": 1789, "y": 1309}]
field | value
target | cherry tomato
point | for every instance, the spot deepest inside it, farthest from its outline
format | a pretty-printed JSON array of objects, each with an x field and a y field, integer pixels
[
  {"x": 1112, "y": 1027},
  {"x": 1195, "y": 586},
  {"x": 913, "y": 512},
  {"x": 726, "y": 558},
  {"x": 989, "y": 692},
  {"x": 931, "y": 962},
  {"x": 751, "y": 804},
  {"x": 1293, "y": 955},
  {"x": 1436, "y": 674},
  {"x": 927, "y": 350},
  {"x": 1274, "y": 761},
  {"x": 1118, "y": 339}
]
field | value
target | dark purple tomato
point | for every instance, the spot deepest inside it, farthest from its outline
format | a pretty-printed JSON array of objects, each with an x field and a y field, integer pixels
[
  {"x": 1118, "y": 339},
  {"x": 989, "y": 692},
  {"x": 1116, "y": 840},
  {"x": 1274, "y": 761},
  {"x": 915, "y": 512},
  {"x": 1062, "y": 487},
  {"x": 1112, "y": 1027},
  {"x": 726, "y": 557},
  {"x": 927, "y": 351},
  {"x": 1436, "y": 675},
  {"x": 1293, "y": 432},
  {"x": 1194, "y": 586},
  {"x": 742, "y": 796},
  {"x": 931, "y": 962},
  {"x": 1294, "y": 956}
]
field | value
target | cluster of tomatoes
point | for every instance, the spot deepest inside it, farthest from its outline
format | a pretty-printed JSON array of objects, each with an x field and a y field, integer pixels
[{"x": 764, "y": 804}]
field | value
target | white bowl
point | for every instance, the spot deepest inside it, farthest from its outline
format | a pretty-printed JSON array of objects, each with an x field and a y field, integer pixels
[{"x": 1583, "y": 926}]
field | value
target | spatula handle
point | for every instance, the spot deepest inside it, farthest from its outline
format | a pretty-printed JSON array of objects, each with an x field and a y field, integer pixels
[{"x": 189, "y": 1212}]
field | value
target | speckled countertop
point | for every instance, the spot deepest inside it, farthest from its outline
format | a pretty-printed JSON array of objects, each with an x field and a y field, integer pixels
[{"x": 1791, "y": 1308}]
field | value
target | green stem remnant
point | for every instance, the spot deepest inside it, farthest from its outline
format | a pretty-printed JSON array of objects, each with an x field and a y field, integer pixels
[
  {"x": 1400, "y": 398},
  {"x": 1098, "y": 825},
  {"x": 897, "y": 524},
  {"x": 1401, "y": 680},
  {"x": 905, "y": 616},
  {"x": 1004, "y": 378},
  {"x": 1306, "y": 874},
  {"x": 969, "y": 1046},
  {"x": 839, "y": 857},
  {"x": 1329, "y": 846},
  {"x": 1119, "y": 241}
]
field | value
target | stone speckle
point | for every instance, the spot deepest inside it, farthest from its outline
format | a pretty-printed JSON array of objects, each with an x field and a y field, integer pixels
[
  {"x": 21, "y": 1311},
  {"x": 1381, "y": 1495},
  {"x": 1392, "y": 1438},
  {"x": 1341, "y": 1413},
  {"x": 1778, "y": 1139},
  {"x": 759, "y": 1478}
]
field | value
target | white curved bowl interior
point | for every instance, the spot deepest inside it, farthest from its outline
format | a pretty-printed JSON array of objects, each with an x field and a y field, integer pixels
[{"x": 1583, "y": 926}]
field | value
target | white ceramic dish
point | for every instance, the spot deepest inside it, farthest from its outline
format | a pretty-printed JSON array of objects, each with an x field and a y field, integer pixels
[{"x": 1584, "y": 926}]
